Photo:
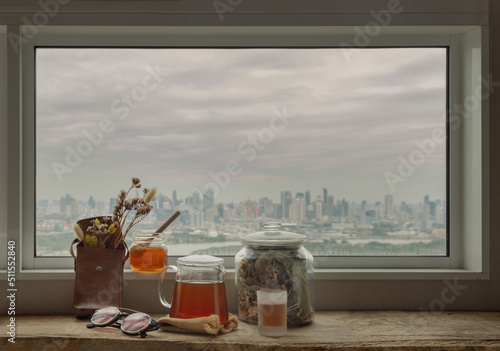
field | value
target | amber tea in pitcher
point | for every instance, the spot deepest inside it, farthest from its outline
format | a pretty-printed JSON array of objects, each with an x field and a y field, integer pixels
[
  {"x": 192, "y": 300},
  {"x": 199, "y": 289}
]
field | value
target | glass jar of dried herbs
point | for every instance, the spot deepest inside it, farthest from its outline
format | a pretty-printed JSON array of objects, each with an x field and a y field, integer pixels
[{"x": 275, "y": 259}]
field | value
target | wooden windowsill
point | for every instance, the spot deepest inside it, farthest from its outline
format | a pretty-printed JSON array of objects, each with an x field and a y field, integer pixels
[{"x": 356, "y": 330}]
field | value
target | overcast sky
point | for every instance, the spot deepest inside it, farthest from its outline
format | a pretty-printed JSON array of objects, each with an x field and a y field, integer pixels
[{"x": 352, "y": 120}]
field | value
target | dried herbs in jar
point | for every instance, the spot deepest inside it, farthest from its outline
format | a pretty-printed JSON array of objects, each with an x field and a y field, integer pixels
[{"x": 274, "y": 259}]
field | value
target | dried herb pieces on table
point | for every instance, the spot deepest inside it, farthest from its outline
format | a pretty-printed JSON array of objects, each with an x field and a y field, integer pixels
[{"x": 274, "y": 269}]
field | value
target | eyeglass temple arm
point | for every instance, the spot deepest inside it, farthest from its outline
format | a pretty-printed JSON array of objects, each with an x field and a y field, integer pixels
[{"x": 154, "y": 325}]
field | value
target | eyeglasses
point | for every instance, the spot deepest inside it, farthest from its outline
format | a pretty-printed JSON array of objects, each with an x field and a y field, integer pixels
[{"x": 137, "y": 323}]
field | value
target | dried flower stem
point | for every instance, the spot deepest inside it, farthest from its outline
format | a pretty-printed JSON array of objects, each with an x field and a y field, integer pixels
[
  {"x": 124, "y": 206},
  {"x": 110, "y": 232}
]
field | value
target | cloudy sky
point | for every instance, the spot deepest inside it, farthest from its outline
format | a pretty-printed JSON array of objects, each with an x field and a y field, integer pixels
[{"x": 350, "y": 121}]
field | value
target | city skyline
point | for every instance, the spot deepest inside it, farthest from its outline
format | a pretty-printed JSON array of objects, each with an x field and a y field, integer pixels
[
  {"x": 388, "y": 202},
  {"x": 183, "y": 197}
]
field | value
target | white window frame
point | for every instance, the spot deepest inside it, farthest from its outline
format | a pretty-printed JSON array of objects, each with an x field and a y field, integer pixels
[{"x": 469, "y": 211}]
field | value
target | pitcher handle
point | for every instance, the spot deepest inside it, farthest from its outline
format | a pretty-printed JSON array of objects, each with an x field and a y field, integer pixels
[{"x": 160, "y": 284}]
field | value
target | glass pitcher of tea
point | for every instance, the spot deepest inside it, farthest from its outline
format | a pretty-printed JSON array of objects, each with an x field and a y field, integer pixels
[{"x": 199, "y": 289}]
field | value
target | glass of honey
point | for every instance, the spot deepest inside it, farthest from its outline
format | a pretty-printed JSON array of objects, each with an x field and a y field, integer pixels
[
  {"x": 148, "y": 253},
  {"x": 272, "y": 312},
  {"x": 199, "y": 289}
]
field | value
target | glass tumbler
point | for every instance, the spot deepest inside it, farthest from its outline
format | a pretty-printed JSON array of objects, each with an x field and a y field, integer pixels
[{"x": 271, "y": 305}]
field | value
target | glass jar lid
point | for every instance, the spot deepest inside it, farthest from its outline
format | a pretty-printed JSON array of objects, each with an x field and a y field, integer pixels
[
  {"x": 273, "y": 236},
  {"x": 201, "y": 260}
]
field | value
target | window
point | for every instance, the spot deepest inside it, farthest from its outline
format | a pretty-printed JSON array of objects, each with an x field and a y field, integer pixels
[
  {"x": 455, "y": 43},
  {"x": 347, "y": 149}
]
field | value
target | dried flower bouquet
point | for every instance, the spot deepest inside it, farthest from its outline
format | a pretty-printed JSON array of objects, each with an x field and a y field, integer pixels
[{"x": 110, "y": 232}]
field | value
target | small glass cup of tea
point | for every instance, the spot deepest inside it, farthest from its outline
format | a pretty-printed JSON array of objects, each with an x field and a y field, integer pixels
[
  {"x": 148, "y": 253},
  {"x": 272, "y": 311}
]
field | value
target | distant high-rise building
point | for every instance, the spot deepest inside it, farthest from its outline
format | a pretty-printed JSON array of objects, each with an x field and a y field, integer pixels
[
  {"x": 367, "y": 217},
  {"x": 112, "y": 203},
  {"x": 286, "y": 201},
  {"x": 219, "y": 210},
  {"x": 249, "y": 209},
  {"x": 344, "y": 208},
  {"x": 310, "y": 211},
  {"x": 174, "y": 198},
  {"x": 319, "y": 209},
  {"x": 277, "y": 211},
  {"x": 330, "y": 207},
  {"x": 298, "y": 209},
  {"x": 209, "y": 214},
  {"x": 91, "y": 202},
  {"x": 404, "y": 207},
  {"x": 426, "y": 212},
  {"x": 256, "y": 210},
  {"x": 432, "y": 208},
  {"x": 74, "y": 209},
  {"x": 65, "y": 203},
  {"x": 308, "y": 198},
  {"x": 197, "y": 218},
  {"x": 389, "y": 206},
  {"x": 196, "y": 200},
  {"x": 325, "y": 194},
  {"x": 426, "y": 199},
  {"x": 68, "y": 206},
  {"x": 227, "y": 214},
  {"x": 266, "y": 205},
  {"x": 208, "y": 199}
]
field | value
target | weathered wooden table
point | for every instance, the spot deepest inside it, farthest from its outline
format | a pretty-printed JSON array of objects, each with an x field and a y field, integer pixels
[{"x": 338, "y": 330}]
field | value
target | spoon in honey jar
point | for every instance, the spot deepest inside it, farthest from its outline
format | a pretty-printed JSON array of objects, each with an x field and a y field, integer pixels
[
  {"x": 138, "y": 250},
  {"x": 167, "y": 223}
]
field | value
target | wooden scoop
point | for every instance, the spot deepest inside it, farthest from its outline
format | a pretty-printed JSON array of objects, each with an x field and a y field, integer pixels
[
  {"x": 167, "y": 223},
  {"x": 140, "y": 249}
]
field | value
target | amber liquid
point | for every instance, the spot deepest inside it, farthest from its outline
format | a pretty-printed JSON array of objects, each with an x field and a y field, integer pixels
[
  {"x": 272, "y": 315},
  {"x": 199, "y": 299},
  {"x": 148, "y": 259}
]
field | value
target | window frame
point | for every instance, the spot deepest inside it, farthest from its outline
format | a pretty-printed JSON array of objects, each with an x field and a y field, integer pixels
[{"x": 468, "y": 255}]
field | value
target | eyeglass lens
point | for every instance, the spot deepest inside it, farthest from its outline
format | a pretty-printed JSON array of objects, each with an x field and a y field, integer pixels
[
  {"x": 105, "y": 315},
  {"x": 135, "y": 323}
]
